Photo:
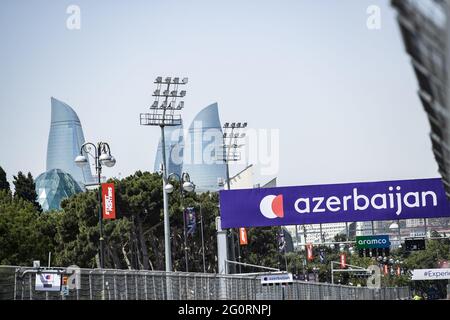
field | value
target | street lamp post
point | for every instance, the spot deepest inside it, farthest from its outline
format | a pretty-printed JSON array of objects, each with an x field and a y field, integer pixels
[
  {"x": 163, "y": 114},
  {"x": 203, "y": 239},
  {"x": 187, "y": 186},
  {"x": 101, "y": 156}
]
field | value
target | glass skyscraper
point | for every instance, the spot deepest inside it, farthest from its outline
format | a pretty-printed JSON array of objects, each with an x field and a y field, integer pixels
[
  {"x": 64, "y": 142},
  {"x": 203, "y": 148},
  {"x": 53, "y": 186}
]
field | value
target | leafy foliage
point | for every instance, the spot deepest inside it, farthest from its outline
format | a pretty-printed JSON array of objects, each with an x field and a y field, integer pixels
[
  {"x": 26, "y": 189},
  {"x": 135, "y": 240},
  {"x": 24, "y": 233},
  {"x": 4, "y": 184}
]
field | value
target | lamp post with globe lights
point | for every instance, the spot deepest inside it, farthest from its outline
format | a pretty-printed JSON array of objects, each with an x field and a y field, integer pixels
[
  {"x": 102, "y": 156},
  {"x": 185, "y": 186}
]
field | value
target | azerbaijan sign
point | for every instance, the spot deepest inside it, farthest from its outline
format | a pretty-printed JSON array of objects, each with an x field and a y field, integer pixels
[
  {"x": 331, "y": 203},
  {"x": 373, "y": 242}
]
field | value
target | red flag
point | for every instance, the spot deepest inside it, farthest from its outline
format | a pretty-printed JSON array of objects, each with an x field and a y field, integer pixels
[
  {"x": 309, "y": 248},
  {"x": 343, "y": 261},
  {"x": 243, "y": 236},
  {"x": 386, "y": 269},
  {"x": 108, "y": 199}
]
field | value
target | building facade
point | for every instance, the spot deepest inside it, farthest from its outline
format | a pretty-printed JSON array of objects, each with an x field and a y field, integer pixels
[{"x": 243, "y": 179}]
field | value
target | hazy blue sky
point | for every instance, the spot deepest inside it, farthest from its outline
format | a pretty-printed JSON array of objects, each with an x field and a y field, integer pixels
[{"x": 343, "y": 96}]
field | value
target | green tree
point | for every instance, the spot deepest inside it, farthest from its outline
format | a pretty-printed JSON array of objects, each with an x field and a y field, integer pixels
[
  {"x": 25, "y": 188},
  {"x": 22, "y": 238},
  {"x": 262, "y": 248},
  {"x": 436, "y": 251},
  {"x": 77, "y": 232},
  {"x": 4, "y": 184},
  {"x": 135, "y": 240},
  {"x": 206, "y": 206}
]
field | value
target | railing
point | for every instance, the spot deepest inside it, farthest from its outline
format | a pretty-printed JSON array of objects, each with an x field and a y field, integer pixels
[{"x": 107, "y": 284}]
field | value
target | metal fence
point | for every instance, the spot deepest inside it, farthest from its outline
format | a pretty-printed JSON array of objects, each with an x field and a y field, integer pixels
[{"x": 106, "y": 284}]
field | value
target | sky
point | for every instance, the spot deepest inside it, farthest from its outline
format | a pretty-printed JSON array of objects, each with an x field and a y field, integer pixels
[{"x": 342, "y": 96}]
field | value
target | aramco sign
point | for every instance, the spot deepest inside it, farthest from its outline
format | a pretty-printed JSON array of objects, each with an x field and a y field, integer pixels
[
  {"x": 331, "y": 203},
  {"x": 373, "y": 242}
]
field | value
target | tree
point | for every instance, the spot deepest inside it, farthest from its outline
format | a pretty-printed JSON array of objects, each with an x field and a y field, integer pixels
[
  {"x": 262, "y": 248},
  {"x": 77, "y": 231},
  {"x": 22, "y": 238},
  {"x": 135, "y": 240},
  {"x": 4, "y": 184},
  {"x": 25, "y": 188},
  {"x": 436, "y": 250}
]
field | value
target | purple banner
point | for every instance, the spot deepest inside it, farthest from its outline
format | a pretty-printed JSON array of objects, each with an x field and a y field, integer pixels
[{"x": 331, "y": 203}]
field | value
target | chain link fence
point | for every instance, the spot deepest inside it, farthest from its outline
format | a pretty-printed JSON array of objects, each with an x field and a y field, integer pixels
[{"x": 18, "y": 283}]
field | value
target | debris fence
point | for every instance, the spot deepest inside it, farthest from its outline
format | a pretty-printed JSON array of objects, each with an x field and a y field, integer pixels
[{"x": 18, "y": 283}]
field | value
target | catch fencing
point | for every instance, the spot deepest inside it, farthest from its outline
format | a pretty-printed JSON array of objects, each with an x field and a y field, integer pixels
[{"x": 18, "y": 283}]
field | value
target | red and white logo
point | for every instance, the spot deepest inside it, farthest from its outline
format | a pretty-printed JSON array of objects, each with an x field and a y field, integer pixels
[
  {"x": 272, "y": 206},
  {"x": 109, "y": 204}
]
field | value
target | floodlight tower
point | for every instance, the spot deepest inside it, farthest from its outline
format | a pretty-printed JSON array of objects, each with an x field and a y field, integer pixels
[
  {"x": 164, "y": 112},
  {"x": 232, "y": 142}
]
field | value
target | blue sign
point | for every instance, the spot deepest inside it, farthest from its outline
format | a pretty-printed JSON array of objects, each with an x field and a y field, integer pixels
[{"x": 332, "y": 203}]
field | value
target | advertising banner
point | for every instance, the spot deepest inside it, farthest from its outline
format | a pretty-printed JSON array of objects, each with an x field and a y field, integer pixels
[
  {"x": 332, "y": 203},
  {"x": 47, "y": 282},
  {"x": 309, "y": 249},
  {"x": 276, "y": 278},
  {"x": 373, "y": 242},
  {"x": 109, "y": 202},
  {"x": 343, "y": 259},
  {"x": 431, "y": 274},
  {"x": 243, "y": 236},
  {"x": 190, "y": 220}
]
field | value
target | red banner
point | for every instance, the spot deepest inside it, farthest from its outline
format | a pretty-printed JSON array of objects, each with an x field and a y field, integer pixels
[
  {"x": 386, "y": 269},
  {"x": 243, "y": 236},
  {"x": 309, "y": 249},
  {"x": 343, "y": 261},
  {"x": 108, "y": 200}
]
